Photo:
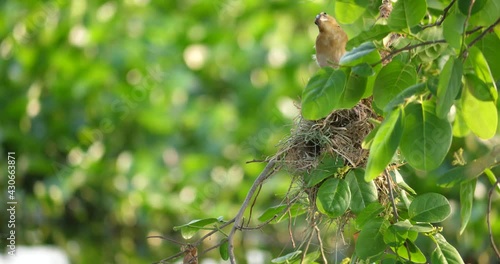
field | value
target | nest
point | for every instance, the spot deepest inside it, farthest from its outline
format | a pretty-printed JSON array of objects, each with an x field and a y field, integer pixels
[{"x": 340, "y": 134}]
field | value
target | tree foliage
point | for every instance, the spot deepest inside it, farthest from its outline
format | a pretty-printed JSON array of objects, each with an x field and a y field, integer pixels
[{"x": 130, "y": 119}]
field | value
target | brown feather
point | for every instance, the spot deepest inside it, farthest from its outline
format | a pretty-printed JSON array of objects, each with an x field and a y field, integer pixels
[{"x": 331, "y": 41}]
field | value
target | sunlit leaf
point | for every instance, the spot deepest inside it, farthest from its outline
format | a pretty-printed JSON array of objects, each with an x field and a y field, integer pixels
[
  {"x": 348, "y": 11},
  {"x": 411, "y": 252},
  {"x": 407, "y": 13},
  {"x": 366, "y": 52},
  {"x": 453, "y": 27},
  {"x": 484, "y": 125}
]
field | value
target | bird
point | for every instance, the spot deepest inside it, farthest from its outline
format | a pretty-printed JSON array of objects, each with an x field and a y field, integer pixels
[{"x": 330, "y": 42}]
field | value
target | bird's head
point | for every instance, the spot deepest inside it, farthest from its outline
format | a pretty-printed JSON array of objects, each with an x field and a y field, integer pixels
[{"x": 325, "y": 21}]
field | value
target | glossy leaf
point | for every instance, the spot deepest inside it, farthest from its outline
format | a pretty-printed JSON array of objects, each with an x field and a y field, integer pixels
[
  {"x": 478, "y": 62},
  {"x": 366, "y": 52},
  {"x": 346, "y": 11},
  {"x": 377, "y": 32},
  {"x": 322, "y": 93},
  {"x": 484, "y": 125},
  {"x": 466, "y": 200},
  {"x": 445, "y": 252},
  {"x": 404, "y": 95},
  {"x": 426, "y": 138},
  {"x": 370, "y": 242},
  {"x": 392, "y": 80},
  {"x": 333, "y": 197},
  {"x": 384, "y": 145},
  {"x": 453, "y": 27},
  {"x": 363, "y": 70},
  {"x": 429, "y": 207},
  {"x": 407, "y": 13},
  {"x": 450, "y": 81},
  {"x": 362, "y": 192},
  {"x": 411, "y": 252},
  {"x": 354, "y": 90}
]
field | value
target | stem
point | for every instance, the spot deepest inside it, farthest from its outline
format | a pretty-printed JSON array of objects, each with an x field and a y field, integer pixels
[
  {"x": 442, "y": 18},
  {"x": 488, "y": 214},
  {"x": 266, "y": 173}
]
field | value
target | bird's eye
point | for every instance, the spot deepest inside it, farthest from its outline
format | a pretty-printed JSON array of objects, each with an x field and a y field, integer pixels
[{"x": 324, "y": 13}]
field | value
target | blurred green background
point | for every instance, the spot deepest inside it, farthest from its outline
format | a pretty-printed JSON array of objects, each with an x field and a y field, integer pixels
[{"x": 131, "y": 117}]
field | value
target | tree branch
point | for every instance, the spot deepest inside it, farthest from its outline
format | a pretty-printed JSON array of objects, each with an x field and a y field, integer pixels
[
  {"x": 442, "y": 18},
  {"x": 488, "y": 214},
  {"x": 408, "y": 47},
  {"x": 264, "y": 175},
  {"x": 487, "y": 30}
]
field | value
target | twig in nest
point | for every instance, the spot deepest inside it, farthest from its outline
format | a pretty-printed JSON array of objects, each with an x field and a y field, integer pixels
[
  {"x": 488, "y": 214},
  {"x": 265, "y": 174}
]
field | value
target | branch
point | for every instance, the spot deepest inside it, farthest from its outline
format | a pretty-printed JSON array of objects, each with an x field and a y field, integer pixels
[
  {"x": 487, "y": 30},
  {"x": 264, "y": 175},
  {"x": 408, "y": 47},
  {"x": 488, "y": 214},
  {"x": 441, "y": 19}
]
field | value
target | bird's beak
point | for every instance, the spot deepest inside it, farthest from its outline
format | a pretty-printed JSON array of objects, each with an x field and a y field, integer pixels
[{"x": 316, "y": 21}]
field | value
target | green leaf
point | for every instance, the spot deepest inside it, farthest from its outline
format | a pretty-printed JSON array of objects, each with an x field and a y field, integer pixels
[
  {"x": 429, "y": 53},
  {"x": 426, "y": 138},
  {"x": 395, "y": 236},
  {"x": 366, "y": 52},
  {"x": 288, "y": 257},
  {"x": 328, "y": 166},
  {"x": 362, "y": 192},
  {"x": 487, "y": 15},
  {"x": 488, "y": 46},
  {"x": 377, "y": 32},
  {"x": 407, "y": 13},
  {"x": 445, "y": 252},
  {"x": 189, "y": 230},
  {"x": 322, "y": 93},
  {"x": 460, "y": 128},
  {"x": 401, "y": 182},
  {"x": 384, "y": 145},
  {"x": 484, "y": 125},
  {"x": 450, "y": 81},
  {"x": 370, "y": 212},
  {"x": 478, "y": 88},
  {"x": 464, "y": 5},
  {"x": 275, "y": 214},
  {"x": 404, "y": 95},
  {"x": 354, "y": 90},
  {"x": 333, "y": 197},
  {"x": 370, "y": 241},
  {"x": 367, "y": 141},
  {"x": 363, "y": 70},
  {"x": 348, "y": 11},
  {"x": 470, "y": 171},
  {"x": 422, "y": 228},
  {"x": 392, "y": 80},
  {"x": 466, "y": 201},
  {"x": 429, "y": 207},
  {"x": 309, "y": 258},
  {"x": 477, "y": 61},
  {"x": 453, "y": 27},
  {"x": 224, "y": 249},
  {"x": 411, "y": 252}
]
